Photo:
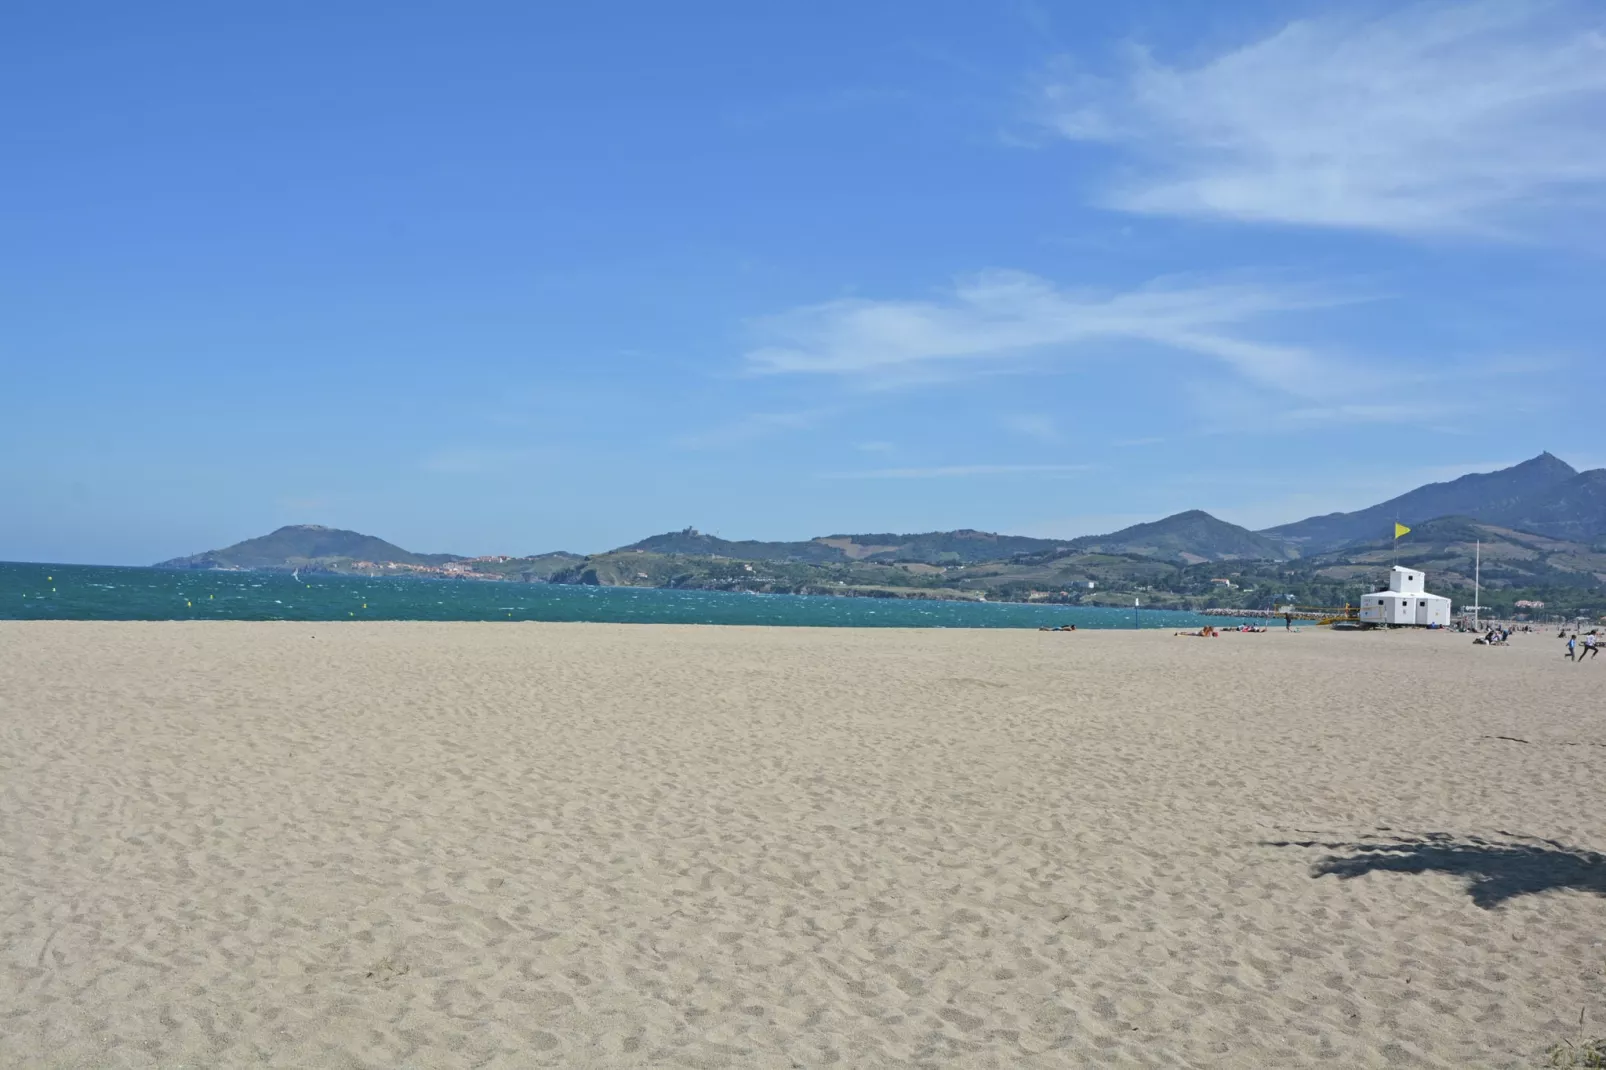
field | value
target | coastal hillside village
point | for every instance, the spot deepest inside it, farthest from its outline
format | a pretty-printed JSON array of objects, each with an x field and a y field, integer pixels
[{"x": 468, "y": 568}]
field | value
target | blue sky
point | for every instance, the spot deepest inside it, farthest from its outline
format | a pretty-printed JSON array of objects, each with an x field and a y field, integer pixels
[{"x": 515, "y": 277}]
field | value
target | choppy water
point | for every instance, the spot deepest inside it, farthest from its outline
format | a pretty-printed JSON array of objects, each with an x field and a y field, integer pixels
[{"x": 81, "y": 592}]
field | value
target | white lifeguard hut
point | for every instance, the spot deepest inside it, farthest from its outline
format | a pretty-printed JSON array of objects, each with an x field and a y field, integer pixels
[{"x": 1405, "y": 602}]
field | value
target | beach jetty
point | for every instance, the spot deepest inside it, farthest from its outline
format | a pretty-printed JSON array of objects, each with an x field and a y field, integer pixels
[{"x": 1406, "y": 602}]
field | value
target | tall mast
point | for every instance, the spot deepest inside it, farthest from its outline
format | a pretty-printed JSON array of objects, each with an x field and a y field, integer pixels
[{"x": 1477, "y": 582}]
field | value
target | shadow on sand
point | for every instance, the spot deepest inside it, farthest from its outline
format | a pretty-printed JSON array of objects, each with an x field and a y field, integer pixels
[{"x": 1494, "y": 871}]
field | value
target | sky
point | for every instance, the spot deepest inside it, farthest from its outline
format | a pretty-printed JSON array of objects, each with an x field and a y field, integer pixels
[{"x": 511, "y": 278}]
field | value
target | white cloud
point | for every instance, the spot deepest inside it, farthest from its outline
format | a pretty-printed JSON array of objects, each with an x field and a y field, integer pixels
[
  {"x": 1447, "y": 396},
  {"x": 1433, "y": 118},
  {"x": 961, "y": 471},
  {"x": 1001, "y": 316}
]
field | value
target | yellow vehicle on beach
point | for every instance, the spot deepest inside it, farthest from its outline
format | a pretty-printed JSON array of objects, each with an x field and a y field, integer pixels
[{"x": 1325, "y": 615}]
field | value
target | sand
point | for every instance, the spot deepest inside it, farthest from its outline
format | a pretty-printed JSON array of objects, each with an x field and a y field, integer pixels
[{"x": 443, "y": 845}]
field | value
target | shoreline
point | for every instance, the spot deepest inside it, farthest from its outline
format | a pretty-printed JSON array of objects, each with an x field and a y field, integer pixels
[{"x": 47, "y": 592}]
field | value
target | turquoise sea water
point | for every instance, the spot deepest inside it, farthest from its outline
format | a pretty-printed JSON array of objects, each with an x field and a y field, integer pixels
[{"x": 81, "y": 592}]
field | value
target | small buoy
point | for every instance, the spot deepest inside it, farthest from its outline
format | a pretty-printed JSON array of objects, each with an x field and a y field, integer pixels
[
  {"x": 350, "y": 613},
  {"x": 49, "y": 578},
  {"x": 190, "y": 604},
  {"x": 365, "y": 605},
  {"x": 211, "y": 596}
]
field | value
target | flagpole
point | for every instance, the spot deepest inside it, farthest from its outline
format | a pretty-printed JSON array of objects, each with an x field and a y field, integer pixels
[{"x": 1477, "y": 582}]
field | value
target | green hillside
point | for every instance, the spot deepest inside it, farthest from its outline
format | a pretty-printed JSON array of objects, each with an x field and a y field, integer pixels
[
  {"x": 954, "y": 547},
  {"x": 1447, "y": 550},
  {"x": 692, "y": 541},
  {"x": 640, "y": 568},
  {"x": 940, "y": 547},
  {"x": 304, "y": 545},
  {"x": 1193, "y": 537},
  {"x": 538, "y": 568},
  {"x": 1574, "y": 509},
  {"x": 1568, "y": 577},
  {"x": 1188, "y": 560}
]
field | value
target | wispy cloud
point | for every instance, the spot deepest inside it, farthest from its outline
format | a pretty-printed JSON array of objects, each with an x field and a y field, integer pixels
[
  {"x": 958, "y": 471},
  {"x": 750, "y": 427},
  {"x": 1368, "y": 413},
  {"x": 1238, "y": 410},
  {"x": 1002, "y": 316},
  {"x": 875, "y": 447},
  {"x": 1473, "y": 118},
  {"x": 1035, "y": 426},
  {"x": 1445, "y": 397}
]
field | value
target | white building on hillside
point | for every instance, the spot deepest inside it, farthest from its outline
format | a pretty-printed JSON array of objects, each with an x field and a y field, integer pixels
[{"x": 1405, "y": 602}]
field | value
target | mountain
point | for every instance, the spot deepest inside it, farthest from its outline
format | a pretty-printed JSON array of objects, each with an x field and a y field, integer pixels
[
  {"x": 1572, "y": 509},
  {"x": 1533, "y": 492},
  {"x": 538, "y": 568},
  {"x": 1449, "y": 550},
  {"x": 964, "y": 546},
  {"x": 951, "y": 547},
  {"x": 692, "y": 541},
  {"x": 1192, "y": 537},
  {"x": 305, "y": 545},
  {"x": 1190, "y": 560},
  {"x": 1537, "y": 519}
]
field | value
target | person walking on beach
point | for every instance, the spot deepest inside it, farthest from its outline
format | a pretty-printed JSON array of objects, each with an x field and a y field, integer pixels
[
  {"x": 1590, "y": 647},
  {"x": 1572, "y": 647},
  {"x": 1288, "y": 622}
]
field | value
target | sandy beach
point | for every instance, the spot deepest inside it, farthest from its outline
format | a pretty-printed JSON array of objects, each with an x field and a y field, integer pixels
[{"x": 444, "y": 845}]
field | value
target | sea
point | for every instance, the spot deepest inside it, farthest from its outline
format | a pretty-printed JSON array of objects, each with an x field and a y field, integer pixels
[{"x": 93, "y": 592}]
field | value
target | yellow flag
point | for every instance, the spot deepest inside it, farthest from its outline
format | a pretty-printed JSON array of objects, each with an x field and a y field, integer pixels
[{"x": 1400, "y": 529}]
